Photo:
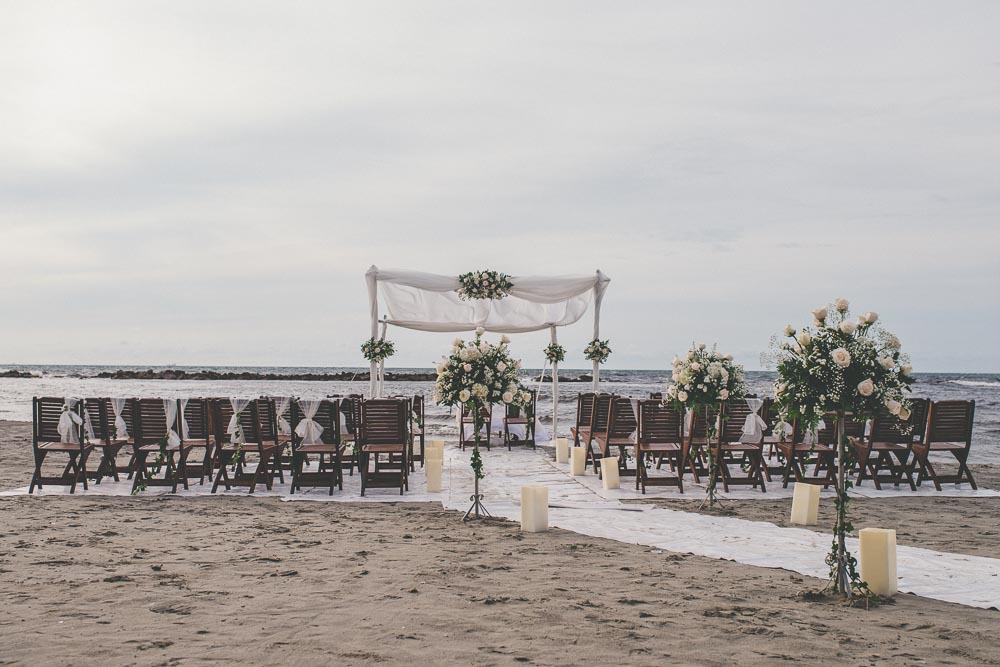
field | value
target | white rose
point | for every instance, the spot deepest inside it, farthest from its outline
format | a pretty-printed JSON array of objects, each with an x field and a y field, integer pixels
[
  {"x": 871, "y": 317},
  {"x": 906, "y": 369},
  {"x": 819, "y": 314},
  {"x": 676, "y": 361},
  {"x": 457, "y": 342},
  {"x": 480, "y": 331},
  {"x": 886, "y": 362},
  {"x": 904, "y": 414},
  {"x": 866, "y": 387},
  {"x": 701, "y": 346},
  {"x": 464, "y": 395},
  {"x": 841, "y": 305},
  {"x": 441, "y": 367},
  {"x": 467, "y": 367},
  {"x": 894, "y": 343},
  {"x": 724, "y": 394},
  {"x": 803, "y": 338},
  {"x": 508, "y": 397},
  {"x": 695, "y": 366},
  {"x": 504, "y": 339},
  {"x": 728, "y": 357},
  {"x": 501, "y": 366},
  {"x": 526, "y": 396},
  {"x": 848, "y": 327},
  {"x": 893, "y": 406},
  {"x": 818, "y": 324},
  {"x": 841, "y": 357},
  {"x": 789, "y": 330},
  {"x": 675, "y": 376},
  {"x": 682, "y": 396}
]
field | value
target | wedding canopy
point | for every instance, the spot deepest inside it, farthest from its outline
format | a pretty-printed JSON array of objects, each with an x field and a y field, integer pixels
[{"x": 431, "y": 302}]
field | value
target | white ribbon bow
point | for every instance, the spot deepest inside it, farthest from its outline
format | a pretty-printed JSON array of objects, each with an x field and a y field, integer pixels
[
  {"x": 234, "y": 430},
  {"x": 68, "y": 421},
  {"x": 284, "y": 428},
  {"x": 121, "y": 428},
  {"x": 170, "y": 409},
  {"x": 753, "y": 427},
  {"x": 308, "y": 429}
]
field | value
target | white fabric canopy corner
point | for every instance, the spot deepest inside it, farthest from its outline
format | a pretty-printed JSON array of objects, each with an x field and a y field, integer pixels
[{"x": 430, "y": 302}]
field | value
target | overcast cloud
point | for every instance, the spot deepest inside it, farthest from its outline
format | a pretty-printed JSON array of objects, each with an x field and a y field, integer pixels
[{"x": 206, "y": 182}]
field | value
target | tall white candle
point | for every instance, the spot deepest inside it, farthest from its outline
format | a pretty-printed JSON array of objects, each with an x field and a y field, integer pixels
[
  {"x": 609, "y": 473},
  {"x": 805, "y": 504},
  {"x": 562, "y": 450},
  {"x": 578, "y": 463},
  {"x": 534, "y": 508},
  {"x": 878, "y": 560}
]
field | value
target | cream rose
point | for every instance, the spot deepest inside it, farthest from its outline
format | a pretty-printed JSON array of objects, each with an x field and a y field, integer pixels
[
  {"x": 866, "y": 387},
  {"x": 724, "y": 394},
  {"x": 848, "y": 327},
  {"x": 841, "y": 305},
  {"x": 504, "y": 339},
  {"x": 893, "y": 406},
  {"x": 464, "y": 395},
  {"x": 507, "y": 397},
  {"x": 904, "y": 414},
  {"x": 682, "y": 396},
  {"x": 501, "y": 366},
  {"x": 480, "y": 331},
  {"x": 789, "y": 330},
  {"x": 803, "y": 338},
  {"x": 906, "y": 369},
  {"x": 467, "y": 368},
  {"x": 886, "y": 362},
  {"x": 819, "y": 314},
  {"x": 871, "y": 317},
  {"x": 841, "y": 357}
]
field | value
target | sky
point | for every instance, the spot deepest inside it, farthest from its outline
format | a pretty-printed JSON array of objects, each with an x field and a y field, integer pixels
[{"x": 206, "y": 183}]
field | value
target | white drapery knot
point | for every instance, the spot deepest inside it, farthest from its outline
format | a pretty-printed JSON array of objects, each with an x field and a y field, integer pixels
[
  {"x": 69, "y": 421},
  {"x": 309, "y": 429},
  {"x": 234, "y": 429},
  {"x": 121, "y": 428},
  {"x": 185, "y": 429},
  {"x": 284, "y": 428},
  {"x": 170, "y": 410},
  {"x": 753, "y": 427}
]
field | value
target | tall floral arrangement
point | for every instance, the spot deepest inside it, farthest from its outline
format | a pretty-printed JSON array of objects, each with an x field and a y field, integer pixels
[
  {"x": 701, "y": 380},
  {"x": 841, "y": 365},
  {"x": 476, "y": 374}
]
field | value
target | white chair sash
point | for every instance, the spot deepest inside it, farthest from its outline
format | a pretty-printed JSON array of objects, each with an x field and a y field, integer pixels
[
  {"x": 170, "y": 410},
  {"x": 234, "y": 430},
  {"x": 87, "y": 424},
  {"x": 185, "y": 429},
  {"x": 284, "y": 428},
  {"x": 69, "y": 421},
  {"x": 634, "y": 437},
  {"x": 812, "y": 437},
  {"x": 121, "y": 428},
  {"x": 753, "y": 427},
  {"x": 309, "y": 429}
]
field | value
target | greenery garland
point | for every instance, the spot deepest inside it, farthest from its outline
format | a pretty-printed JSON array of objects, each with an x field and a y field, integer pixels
[
  {"x": 378, "y": 349},
  {"x": 597, "y": 350},
  {"x": 490, "y": 285},
  {"x": 555, "y": 353}
]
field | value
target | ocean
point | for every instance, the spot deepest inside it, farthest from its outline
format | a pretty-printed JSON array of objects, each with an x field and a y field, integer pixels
[{"x": 16, "y": 393}]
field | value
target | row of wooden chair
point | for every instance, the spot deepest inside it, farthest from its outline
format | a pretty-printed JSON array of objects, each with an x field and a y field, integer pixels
[
  {"x": 890, "y": 450},
  {"x": 161, "y": 435}
]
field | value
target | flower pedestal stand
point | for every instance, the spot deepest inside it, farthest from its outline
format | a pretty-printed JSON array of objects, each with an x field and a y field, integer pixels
[{"x": 477, "y": 510}]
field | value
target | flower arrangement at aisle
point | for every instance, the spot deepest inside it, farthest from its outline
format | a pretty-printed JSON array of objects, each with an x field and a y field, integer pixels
[
  {"x": 474, "y": 375},
  {"x": 842, "y": 366},
  {"x": 597, "y": 350},
  {"x": 555, "y": 353},
  {"x": 701, "y": 381},
  {"x": 378, "y": 349},
  {"x": 491, "y": 285}
]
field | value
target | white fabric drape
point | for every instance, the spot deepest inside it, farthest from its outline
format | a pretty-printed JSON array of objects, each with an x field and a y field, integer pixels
[
  {"x": 185, "y": 429},
  {"x": 753, "y": 427},
  {"x": 309, "y": 429},
  {"x": 284, "y": 428},
  {"x": 170, "y": 410},
  {"x": 234, "y": 430},
  {"x": 121, "y": 428},
  {"x": 87, "y": 424},
  {"x": 429, "y": 302},
  {"x": 69, "y": 422}
]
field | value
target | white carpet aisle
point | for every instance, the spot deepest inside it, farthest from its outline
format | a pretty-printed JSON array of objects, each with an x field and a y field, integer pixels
[{"x": 579, "y": 504}]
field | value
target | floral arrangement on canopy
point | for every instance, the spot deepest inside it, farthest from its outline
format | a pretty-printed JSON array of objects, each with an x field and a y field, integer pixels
[
  {"x": 597, "y": 350},
  {"x": 701, "y": 381},
  {"x": 555, "y": 353},
  {"x": 491, "y": 285},
  {"x": 378, "y": 349},
  {"x": 842, "y": 366},
  {"x": 476, "y": 374}
]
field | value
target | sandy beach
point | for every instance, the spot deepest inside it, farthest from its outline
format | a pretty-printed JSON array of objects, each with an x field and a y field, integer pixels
[{"x": 172, "y": 581}]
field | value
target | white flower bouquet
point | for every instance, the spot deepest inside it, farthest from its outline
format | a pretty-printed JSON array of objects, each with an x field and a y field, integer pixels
[
  {"x": 597, "y": 350},
  {"x": 484, "y": 285},
  {"x": 705, "y": 378},
  {"x": 376, "y": 349},
  {"x": 555, "y": 353}
]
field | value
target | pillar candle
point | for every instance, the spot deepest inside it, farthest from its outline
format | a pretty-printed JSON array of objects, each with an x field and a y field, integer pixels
[
  {"x": 434, "y": 449},
  {"x": 578, "y": 464},
  {"x": 534, "y": 508},
  {"x": 878, "y": 560},
  {"x": 432, "y": 469},
  {"x": 609, "y": 473},
  {"x": 562, "y": 450},
  {"x": 805, "y": 504}
]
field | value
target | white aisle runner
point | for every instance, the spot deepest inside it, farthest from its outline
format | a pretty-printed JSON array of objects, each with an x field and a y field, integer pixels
[{"x": 579, "y": 505}]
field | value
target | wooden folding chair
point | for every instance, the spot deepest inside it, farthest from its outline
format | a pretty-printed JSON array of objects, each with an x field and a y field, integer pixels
[
  {"x": 599, "y": 421},
  {"x": 774, "y": 463},
  {"x": 515, "y": 415},
  {"x": 196, "y": 433},
  {"x": 384, "y": 433},
  {"x": 486, "y": 415},
  {"x": 732, "y": 451},
  {"x": 98, "y": 424},
  {"x": 883, "y": 455},
  {"x": 660, "y": 435},
  {"x": 157, "y": 435},
  {"x": 319, "y": 422},
  {"x": 798, "y": 455},
  {"x": 620, "y": 433},
  {"x": 252, "y": 432},
  {"x": 949, "y": 430},
  {"x": 584, "y": 415},
  {"x": 350, "y": 409},
  {"x": 696, "y": 441},
  {"x": 417, "y": 429},
  {"x": 56, "y": 429}
]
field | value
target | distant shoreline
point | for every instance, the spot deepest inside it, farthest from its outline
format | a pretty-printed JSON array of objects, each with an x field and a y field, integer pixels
[{"x": 341, "y": 376}]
